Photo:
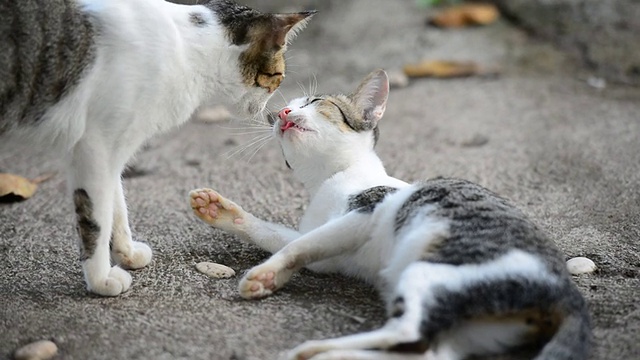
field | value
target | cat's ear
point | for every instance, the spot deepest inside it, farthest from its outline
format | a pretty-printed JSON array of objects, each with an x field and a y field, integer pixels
[
  {"x": 287, "y": 26},
  {"x": 371, "y": 98}
]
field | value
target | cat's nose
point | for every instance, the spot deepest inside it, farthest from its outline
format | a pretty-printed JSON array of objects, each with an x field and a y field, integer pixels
[{"x": 283, "y": 114}]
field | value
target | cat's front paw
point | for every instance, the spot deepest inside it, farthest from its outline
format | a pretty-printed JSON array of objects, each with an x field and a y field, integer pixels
[
  {"x": 116, "y": 282},
  {"x": 215, "y": 210},
  {"x": 264, "y": 279}
]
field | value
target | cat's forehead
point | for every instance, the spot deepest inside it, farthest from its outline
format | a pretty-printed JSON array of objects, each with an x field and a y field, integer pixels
[{"x": 337, "y": 99}]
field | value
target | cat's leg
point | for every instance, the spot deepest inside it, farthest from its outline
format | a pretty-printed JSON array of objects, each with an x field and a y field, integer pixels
[
  {"x": 395, "y": 333},
  {"x": 224, "y": 214},
  {"x": 93, "y": 185},
  {"x": 401, "y": 333},
  {"x": 127, "y": 253},
  {"x": 337, "y": 237},
  {"x": 369, "y": 355}
]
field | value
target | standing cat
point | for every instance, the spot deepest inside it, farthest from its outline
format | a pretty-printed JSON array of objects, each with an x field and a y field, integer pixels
[
  {"x": 95, "y": 79},
  {"x": 461, "y": 270}
]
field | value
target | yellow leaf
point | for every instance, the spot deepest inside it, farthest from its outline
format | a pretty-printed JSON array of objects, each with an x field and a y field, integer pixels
[
  {"x": 466, "y": 15},
  {"x": 441, "y": 69},
  {"x": 16, "y": 188}
]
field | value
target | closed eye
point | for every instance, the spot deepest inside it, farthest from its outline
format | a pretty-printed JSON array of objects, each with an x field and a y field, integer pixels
[
  {"x": 311, "y": 102},
  {"x": 344, "y": 117}
]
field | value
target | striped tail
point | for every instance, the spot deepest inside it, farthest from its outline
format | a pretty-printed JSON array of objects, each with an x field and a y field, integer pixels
[{"x": 572, "y": 340}]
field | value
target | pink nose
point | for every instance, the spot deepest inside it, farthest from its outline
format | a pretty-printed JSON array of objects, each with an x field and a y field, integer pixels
[{"x": 283, "y": 114}]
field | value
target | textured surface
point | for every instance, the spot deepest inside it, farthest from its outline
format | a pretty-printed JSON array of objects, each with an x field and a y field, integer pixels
[
  {"x": 602, "y": 34},
  {"x": 565, "y": 152}
]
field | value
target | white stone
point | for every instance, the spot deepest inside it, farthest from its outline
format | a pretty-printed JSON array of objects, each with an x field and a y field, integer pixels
[
  {"x": 214, "y": 114},
  {"x": 39, "y": 350},
  {"x": 214, "y": 270},
  {"x": 398, "y": 79},
  {"x": 581, "y": 265}
]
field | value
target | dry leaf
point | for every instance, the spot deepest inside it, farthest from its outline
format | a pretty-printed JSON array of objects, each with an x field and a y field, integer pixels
[
  {"x": 466, "y": 15},
  {"x": 441, "y": 69},
  {"x": 17, "y": 188}
]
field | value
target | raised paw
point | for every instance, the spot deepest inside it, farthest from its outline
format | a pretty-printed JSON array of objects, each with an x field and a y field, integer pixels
[
  {"x": 264, "y": 279},
  {"x": 215, "y": 210},
  {"x": 138, "y": 256},
  {"x": 116, "y": 282}
]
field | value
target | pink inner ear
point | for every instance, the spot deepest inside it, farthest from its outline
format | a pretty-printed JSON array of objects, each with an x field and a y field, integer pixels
[
  {"x": 378, "y": 112},
  {"x": 285, "y": 24}
]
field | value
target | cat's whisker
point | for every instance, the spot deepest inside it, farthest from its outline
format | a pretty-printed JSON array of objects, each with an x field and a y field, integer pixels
[
  {"x": 261, "y": 123},
  {"x": 315, "y": 85},
  {"x": 248, "y": 127},
  {"x": 293, "y": 72},
  {"x": 258, "y": 149},
  {"x": 259, "y": 119},
  {"x": 304, "y": 91},
  {"x": 242, "y": 148},
  {"x": 285, "y": 102},
  {"x": 255, "y": 132},
  {"x": 246, "y": 157},
  {"x": 298, "y": 66},
  {"x": 289, "y": 58}
]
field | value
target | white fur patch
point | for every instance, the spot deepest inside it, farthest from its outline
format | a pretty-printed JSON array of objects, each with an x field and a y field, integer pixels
[{"x": 421, "y": 277}]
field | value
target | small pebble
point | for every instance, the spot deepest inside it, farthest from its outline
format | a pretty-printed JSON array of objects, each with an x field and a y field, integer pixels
[
  {"x": 39, "y": 350},
  {"x": 580, "y": 265},
  {"x": 398, "y": 79},
  {"x": 214, "y": 270},
  {"x": 596, "y": 82},
  {"x": 477, "y": 140},
  {"x": 214, "y": 114}
]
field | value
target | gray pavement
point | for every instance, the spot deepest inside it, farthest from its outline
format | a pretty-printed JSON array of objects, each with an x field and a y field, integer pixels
[{"x": 566, "y": 152}]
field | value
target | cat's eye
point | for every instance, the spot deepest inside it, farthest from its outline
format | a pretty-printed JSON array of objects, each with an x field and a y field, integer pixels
[{"x": 311, "y": 102}]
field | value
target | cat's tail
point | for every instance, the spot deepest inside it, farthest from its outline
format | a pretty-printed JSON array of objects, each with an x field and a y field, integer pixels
[{"x": 572, "y": 340}]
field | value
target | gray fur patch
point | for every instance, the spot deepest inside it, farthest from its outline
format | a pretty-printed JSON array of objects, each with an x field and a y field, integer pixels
[
  {"x": 367, "y": 200},
  {"x": 46, "y": 47},
  {"x": 482, "y": 225},
  {"x": 542, "y": 305},
  {"x": 87, "y": 227},
  {"x": 197, "y": 19},
  {"x": 235, "y": 18},
  {"x": 397, "y": 307}
]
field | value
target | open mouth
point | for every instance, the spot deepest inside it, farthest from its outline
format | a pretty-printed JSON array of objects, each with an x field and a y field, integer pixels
[{"x": 291, "y": 125}]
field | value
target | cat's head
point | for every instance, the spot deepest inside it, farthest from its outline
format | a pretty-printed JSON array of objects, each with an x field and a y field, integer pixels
[
  {"x": 332, "y": 130},
  {"x": 261, "y": 41}
]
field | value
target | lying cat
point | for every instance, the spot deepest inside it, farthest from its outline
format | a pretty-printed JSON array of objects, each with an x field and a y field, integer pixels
[
  {"x": 94, "y": 79},
  {"x": 461, "y": 270}
]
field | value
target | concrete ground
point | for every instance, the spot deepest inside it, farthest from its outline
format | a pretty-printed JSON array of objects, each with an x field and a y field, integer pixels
[{"x": 565, "y": 151}]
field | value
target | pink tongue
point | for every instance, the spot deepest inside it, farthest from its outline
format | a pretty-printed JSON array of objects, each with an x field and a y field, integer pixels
[{"x": 287, "y": 125}]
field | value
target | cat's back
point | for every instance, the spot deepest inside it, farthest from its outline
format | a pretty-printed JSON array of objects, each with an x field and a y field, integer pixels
[
  {"x": 46, "y": 47},
  {"x": 482, "y": 226}
]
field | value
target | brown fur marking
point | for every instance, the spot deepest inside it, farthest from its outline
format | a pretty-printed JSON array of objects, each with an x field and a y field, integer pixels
[
  {"x": 543, "y": 323},
  {"x": 87, "y": 227}
]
